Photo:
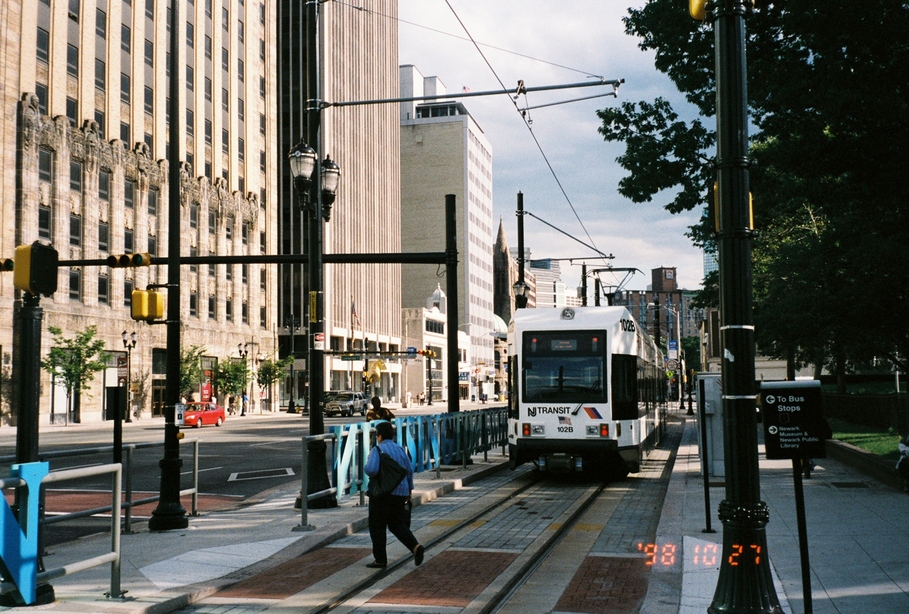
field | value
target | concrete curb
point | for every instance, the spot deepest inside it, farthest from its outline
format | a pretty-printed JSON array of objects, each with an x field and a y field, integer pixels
[{"x": 864, "y": 461}]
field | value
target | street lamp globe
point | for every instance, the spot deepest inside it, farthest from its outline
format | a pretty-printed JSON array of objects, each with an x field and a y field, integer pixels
[
  {"x": 520, "y": 293},
  {"x": 331, "y": 176},
  {"x": 302, "y": 160}
]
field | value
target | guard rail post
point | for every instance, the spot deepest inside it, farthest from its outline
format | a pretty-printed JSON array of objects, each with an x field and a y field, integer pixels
[
  {"x": 195, "y": 507},
  {"x": 485, "y": 436},
  {"x": 304, "y": 485},
  {"x": 115, "y": 592},
  {"x": 128, "y": 517}
]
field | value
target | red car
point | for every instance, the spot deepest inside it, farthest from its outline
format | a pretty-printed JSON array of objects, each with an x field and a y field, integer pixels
[{"x": 199, "y": 414}]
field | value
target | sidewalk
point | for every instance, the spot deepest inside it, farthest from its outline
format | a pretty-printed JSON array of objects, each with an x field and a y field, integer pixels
[
  {"x": 162, "y": 572},
  {"x": 858, "y": 539}
]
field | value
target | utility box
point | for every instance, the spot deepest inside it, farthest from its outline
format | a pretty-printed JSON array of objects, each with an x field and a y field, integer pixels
[
  {"x": 794, "y": 423},
  {"x": 710, "y": 433}
]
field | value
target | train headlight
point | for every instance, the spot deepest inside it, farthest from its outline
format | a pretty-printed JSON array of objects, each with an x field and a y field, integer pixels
[
  {"x": 592, "y": 430},
  {"x": 604, "y": 430},
  {"x": 537, "y": 429}
]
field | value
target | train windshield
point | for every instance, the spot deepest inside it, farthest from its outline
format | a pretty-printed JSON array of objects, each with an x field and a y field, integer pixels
[{"x": 564, "y": 366}]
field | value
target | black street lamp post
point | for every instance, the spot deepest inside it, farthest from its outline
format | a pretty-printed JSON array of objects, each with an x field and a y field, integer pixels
[
  {"x": 243, "y": 349},
  {"x": 129, "y": 342},
  {"x": 520, "y": 286},
  {"x": 745, "y": 583},
  {"x": 292, "y": 325}
]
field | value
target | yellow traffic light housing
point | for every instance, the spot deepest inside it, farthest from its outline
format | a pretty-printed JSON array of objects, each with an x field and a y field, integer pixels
[
  {"x": 698, "y": 9},
  {"x": 35, "y": 270},
  {"x": 147, "y": 305}
]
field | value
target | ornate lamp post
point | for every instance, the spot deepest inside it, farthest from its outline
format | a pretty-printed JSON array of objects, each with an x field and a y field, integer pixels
[
  {"x": 243, "y": 349},
  {"x": 129, "y": 342},
  {"x": 520, "y": 294}
]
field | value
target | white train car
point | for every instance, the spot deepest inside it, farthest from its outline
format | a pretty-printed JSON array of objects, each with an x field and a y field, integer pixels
[{"x": 586, "y": 390}]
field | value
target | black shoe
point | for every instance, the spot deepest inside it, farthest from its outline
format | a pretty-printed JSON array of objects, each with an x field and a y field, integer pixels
[
  {"x": 375, "y": 565},
  {"x": 418, "y": 555}
]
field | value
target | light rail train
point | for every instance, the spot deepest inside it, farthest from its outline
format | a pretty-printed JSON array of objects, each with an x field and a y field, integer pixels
[{"x": 587, "y": 390}]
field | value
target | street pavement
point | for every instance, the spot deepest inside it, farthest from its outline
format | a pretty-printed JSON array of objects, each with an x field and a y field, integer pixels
[{"x": 858, "y": 542}]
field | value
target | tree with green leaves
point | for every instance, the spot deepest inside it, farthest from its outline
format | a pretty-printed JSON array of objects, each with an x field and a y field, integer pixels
[
  {"x": 75, "y": 360},
  {"x": 191, "y": 372},
  {"x": 271, "y": 371},
  {"x": 831, "y": 204},
  {"x": 231, "y": 378}
]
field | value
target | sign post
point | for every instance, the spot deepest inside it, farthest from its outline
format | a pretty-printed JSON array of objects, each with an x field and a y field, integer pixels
[{"x": 795, "y": 428}]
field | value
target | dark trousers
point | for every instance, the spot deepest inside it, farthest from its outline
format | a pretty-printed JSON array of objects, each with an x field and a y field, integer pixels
[{"x": 388, "y": 511}]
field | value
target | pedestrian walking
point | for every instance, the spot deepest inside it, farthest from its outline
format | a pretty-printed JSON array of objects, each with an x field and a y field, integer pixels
[{"x": 390, "y": 510}]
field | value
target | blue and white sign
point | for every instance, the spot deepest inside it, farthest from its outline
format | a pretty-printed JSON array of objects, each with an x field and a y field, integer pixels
[
  {"x": 673, "y": 349},
  {"x": 411, "y": 352}
]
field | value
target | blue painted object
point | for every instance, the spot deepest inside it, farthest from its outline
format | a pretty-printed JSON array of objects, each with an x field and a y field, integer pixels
[{"x": 19, "y": 550}]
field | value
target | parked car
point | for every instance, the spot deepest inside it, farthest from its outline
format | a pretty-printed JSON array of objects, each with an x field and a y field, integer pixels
[
  {"x": 345, "y": 403},
  {"x": 199, "y": 414}
]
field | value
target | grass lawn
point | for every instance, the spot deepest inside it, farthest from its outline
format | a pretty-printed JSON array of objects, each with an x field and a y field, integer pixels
[{"x": 877, "y": 441}]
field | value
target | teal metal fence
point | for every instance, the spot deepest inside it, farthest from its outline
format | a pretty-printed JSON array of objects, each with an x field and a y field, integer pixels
[{"x": 432, "y": 441}]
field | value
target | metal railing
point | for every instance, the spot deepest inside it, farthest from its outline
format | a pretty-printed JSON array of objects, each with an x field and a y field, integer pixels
[
  {"x": 128, "y": 503},
  {"x": 431, "y": 441},
  {"x": 112, "y": 557}
]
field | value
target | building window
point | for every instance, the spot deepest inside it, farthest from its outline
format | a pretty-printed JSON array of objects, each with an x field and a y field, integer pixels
[
  {"x": 149, "y": 101},
  {"x": 99, "y": 119},
  {"x": 262, "y": 159},
  {"x": 263, "y": 324},
  {"x": 44, "y": 222},
  {"x": 45, "y": 165},
  {"x": 225, "y": 18},
  {"x": 72, "y": 60},
  {"x": 262, "y": 242},
  {"x": 127, "y": 292},
  {"x": 103, "y": 237},
  {"x": 225, "y": 59},
  {"x": 103, "y": 290},
  {"x": 240, "y": 71},
  {"x": 153, "y": 245},
  {"x": 124, "y": 87},
  {"x": 75, "y": 176},
  {"x": 193, "y": 252},
  {"x": 207, "y": 47},
  {"x": 207, "y": 89},
  {"x": 72, "y": 111},
  {"x": 241, "y": 150},
  {"x": 43, "y": 46},
  {"x": 241, "y": 110},
  {"x": 129, "y": 193},
  {"x": 104, "y": 185},
  {"x": 229, "y": 310},
  {"x": 75, "y": 230},
  {"x": 211, "y": 267},
  {"x": 41, "y": 93},
  {"x": 190, "y": 35},
  {"x": 194, "y": 215},
  {"x": 190, "y": 122},
  {"x": 244, "y": 273},
  {"x": 153, "y": 202},
  {"x": 193, "y": 305},
  {"x": 262, "y": 279},
  {"x": 75, "y": 284},
  {"x": 100, "y": 74},
  {"x": 150, "y": 9},
  {"x": 262, "y": 87},
  {"x": 262, "y": 124},
  {"x": 262, "y": 12},
  {"x": 208, "y": 4},
  {"x": 244, "y": 310},
  {"x": 229, "y": 272},
  {"x": 149, "y": 141},
  {"x": 262, "y": 49},
  {"x": 126, "y": 42},
  {"x": 211, "y": 308},
  {"x": 190, "y": 79},
  {"x": 129, "y": 246},
  {"x": 124, "y": 134},
  {"x": 241, "y": 31},
  {"x": 229, "y": 228},
  {"x": 225, "y": 100},
  {"x": 225, "y": 141},
  {"x": 149, "y": 53},
  {"x": 212, "y": 222},
  {"x": 208, "y": 132},
  {"x": 101, "y": 23}
]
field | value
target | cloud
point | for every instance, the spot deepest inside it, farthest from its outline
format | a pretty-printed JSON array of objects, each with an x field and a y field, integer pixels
[{"x": 555, "y": 44}]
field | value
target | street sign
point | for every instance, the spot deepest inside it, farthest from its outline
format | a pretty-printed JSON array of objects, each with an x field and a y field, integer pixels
[
  {"x": 673, "y": 364},
  {"x": 794, "y": 425},
  {"x": 351, "y": 357},
  {"x": 411, "y": 352},
  {"x": 318, "y": 341},
  {"x": 673, "y": 349}
]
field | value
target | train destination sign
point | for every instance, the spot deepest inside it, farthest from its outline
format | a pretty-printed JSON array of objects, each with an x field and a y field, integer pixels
[{"x": 794, "y": 425}]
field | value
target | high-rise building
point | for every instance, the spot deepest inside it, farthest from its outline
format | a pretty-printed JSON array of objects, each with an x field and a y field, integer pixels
[
  {"x": 362, "y": 301},
  {"x": 444, "y": 151},
  {"x": 550, "y": 289},
  {"x": 85, "y": 96}
]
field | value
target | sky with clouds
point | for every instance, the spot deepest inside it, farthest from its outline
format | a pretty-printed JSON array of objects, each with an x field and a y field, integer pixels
[{"x": 543, "y": 44}]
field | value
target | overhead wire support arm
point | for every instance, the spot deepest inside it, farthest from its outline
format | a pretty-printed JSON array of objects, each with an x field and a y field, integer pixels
[
  {"x": 615, "y": 83},
  {"x": 604, "y": 255}
]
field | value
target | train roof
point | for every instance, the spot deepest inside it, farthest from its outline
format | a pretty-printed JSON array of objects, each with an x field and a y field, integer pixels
[{"x": 570, "y": 317}]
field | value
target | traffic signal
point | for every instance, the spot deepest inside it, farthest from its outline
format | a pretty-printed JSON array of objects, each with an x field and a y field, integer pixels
[
  {"x": 35, "y": 271},
  {"x": 6, "y": 264},
  {"x": 147, "y": 305},
  {"x": 428, "y": 353},
  {"x": 698, "y": 9},
  {"x": 119, "y": 261}
]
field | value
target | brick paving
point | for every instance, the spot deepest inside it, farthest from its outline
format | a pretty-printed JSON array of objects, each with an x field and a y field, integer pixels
[
  {"x": 606, "y": 585},
  {"x": 67, "y": 501},
  {"x": 291, "y": 577},
  {"x": 452, "y": 578}
]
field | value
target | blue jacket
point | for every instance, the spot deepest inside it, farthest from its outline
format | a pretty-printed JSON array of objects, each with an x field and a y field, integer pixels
[{"x": 399, "y": 455}]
